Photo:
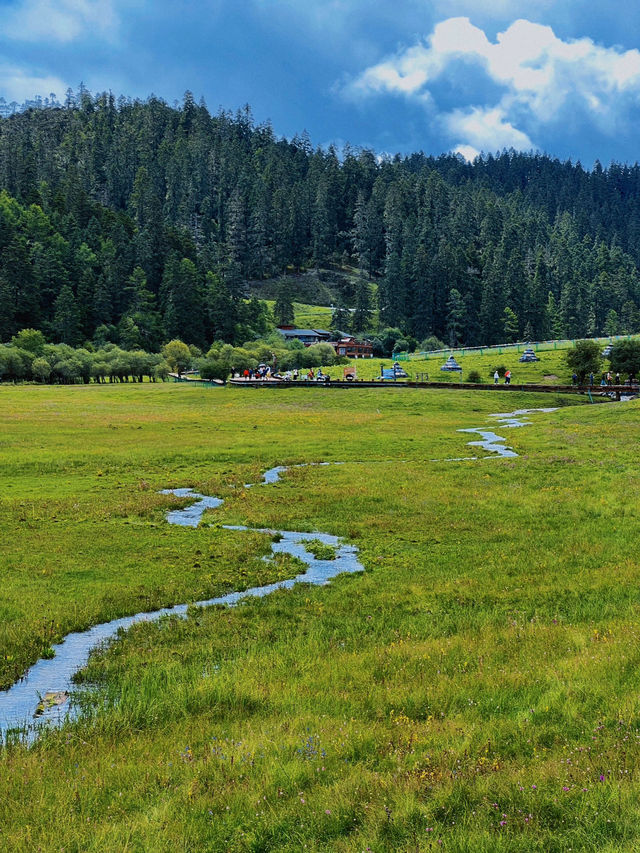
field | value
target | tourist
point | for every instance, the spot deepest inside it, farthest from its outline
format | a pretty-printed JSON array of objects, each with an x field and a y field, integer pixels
[
  {"x": 603, "y": 381},
  {"x": 617, "y": 378},
  {"x": 496, "y": 378},
  {"x": 609, "y": 379},
  {"x": 507, "y": 377},
  {"x": 574, "y": 378},
  {"x": 295, "y": 373},
  {"x": 591, "y": 379}
]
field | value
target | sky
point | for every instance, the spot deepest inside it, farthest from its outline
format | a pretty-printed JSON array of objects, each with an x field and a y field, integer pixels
[{"x": 391, "y": 75}]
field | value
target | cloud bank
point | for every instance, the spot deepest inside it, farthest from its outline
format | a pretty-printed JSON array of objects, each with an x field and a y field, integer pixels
[
  {"x": 61, "y": 21},
  {"x": 20, "y": 84},
  {"x": 534, "y": 80}
]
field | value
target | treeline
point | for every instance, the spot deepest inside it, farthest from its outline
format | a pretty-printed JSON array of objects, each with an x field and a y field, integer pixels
[
  {"x": 133, "y": 222},
  {"x": 29, "y": 358}
]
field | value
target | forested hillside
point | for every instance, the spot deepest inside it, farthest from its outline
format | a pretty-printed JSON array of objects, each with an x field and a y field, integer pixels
[{"x": 136, "y": 222}]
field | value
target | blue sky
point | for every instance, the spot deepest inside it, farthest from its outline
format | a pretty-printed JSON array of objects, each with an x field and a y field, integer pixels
[{"x": 392, "y": 75}]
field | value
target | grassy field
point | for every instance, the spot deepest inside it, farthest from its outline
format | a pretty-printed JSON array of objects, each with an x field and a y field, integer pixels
[
  {"x": 309, "y": 316},
  {"x": 474, "y": 690},
  {"x": 551, "y": 369}
]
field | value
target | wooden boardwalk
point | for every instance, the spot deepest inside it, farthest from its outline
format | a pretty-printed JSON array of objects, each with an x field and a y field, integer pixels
[{"x": 616, "y": 390}]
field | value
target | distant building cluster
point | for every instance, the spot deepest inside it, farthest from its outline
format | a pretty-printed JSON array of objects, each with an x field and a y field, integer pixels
[
  {"x": 345, "y": 345},
  {"x": 9, "y": 108}
]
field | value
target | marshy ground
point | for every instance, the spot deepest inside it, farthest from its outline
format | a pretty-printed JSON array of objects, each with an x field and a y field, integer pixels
[{"x": 475, "y": 689}]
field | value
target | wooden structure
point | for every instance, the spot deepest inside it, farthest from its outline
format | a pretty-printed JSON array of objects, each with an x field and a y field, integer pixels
[
  {"x": 352, "y": 348},
  {"x": 608, "y": 391}
]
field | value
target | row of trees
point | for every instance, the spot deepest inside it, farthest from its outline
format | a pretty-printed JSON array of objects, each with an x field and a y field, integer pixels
[
  {"x": 586, "y": 358},
  {"x": 134, "y": 222},
  {"x": 28, "y": 357}
]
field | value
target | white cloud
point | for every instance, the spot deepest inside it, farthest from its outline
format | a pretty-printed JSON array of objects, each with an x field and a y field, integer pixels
[
  {"x": 59, "y": 20},
  {"x": 19, "y": 85},
  {"x": 542, "y": 79},
  {"x": 486, "y": 129},
  {"x": 467, "y": 151}
]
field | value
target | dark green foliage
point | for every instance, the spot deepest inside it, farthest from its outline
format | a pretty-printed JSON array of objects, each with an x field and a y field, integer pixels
[
  {"x": 584, "y": 358},
  {"x": 212, "y": 369},
  {"x": 625, "y": 358},
  {"x": 432, "y": 344},
  {"x": 474, "y": 376},
  {"x": 388, "y": 339},
  {"x": 362, "y": 314},
  {"x": 283, "y": 309},
  {"x": 66, "y": 319},
  {"x": 151, "y": 221},
  {"x": 340, "y": 319}
]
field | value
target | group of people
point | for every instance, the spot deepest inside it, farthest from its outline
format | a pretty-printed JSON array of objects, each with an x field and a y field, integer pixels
[
  {"x": 607, "y": 379},
  {"x": 263, "y": 371},
  {"x": 507, "y": 377}
]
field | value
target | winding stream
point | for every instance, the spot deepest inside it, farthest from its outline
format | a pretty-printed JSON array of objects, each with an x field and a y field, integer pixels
[
  {"x": 497, "y": 443},
  {"x": 41, "y": 696}
]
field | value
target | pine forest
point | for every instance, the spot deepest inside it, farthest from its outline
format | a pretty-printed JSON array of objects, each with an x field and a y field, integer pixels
[{"x": 136, "y": 222}]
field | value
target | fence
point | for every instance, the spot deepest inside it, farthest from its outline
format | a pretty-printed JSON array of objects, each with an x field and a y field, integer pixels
[{"x": 499, "y": 349}]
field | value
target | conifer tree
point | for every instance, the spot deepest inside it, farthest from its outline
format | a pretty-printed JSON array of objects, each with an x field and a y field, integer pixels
[
  {"x": 66, "y": 320},
  {"x": 283, "y": 308},
  {"x": 362, "y": 314}
]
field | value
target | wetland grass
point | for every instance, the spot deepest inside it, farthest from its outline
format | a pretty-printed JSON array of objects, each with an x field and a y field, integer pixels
[{"x": 474, "y": 690}]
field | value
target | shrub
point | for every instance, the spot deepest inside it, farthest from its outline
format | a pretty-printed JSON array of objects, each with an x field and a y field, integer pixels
[
  {"x": 41, "y": 369},
  {"x": 625, "y": 357},
  {"x": 212, "y": 369},
  {"x": 474, "y": 376},
  {"x": 431, "y": 344},
  {"x": 584, "y": 358},
  {"x": 500, "y": 368}
]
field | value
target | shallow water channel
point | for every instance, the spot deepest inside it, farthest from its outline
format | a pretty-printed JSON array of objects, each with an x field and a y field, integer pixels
[
  {"x": 497, "y": 443},
  {"x": 40, "y": 698},
  {"x": 24, "y": 708}
]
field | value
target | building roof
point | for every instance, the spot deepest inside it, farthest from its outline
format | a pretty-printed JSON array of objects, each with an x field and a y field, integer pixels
[{"x": 308, "y": 333}]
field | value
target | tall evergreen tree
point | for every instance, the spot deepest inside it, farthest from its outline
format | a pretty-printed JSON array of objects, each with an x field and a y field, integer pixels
[
  {"x": 283, "y": 308},
  {"x": 362, "y": 315},
  {"x": 66, "y": 320}
]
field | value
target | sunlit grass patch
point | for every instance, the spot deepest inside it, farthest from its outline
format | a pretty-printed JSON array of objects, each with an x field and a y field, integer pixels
[{"x": 476, "y": 685}]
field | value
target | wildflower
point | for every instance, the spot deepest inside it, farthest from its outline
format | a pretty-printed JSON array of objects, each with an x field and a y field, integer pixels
[
  {"x": 601, "y": 777},
  {"x": 327, "y": 811},
  {"x": 534, "y": 787},
  {"x": 503, "y": 823},
  {"x": 565, "y": 788}
]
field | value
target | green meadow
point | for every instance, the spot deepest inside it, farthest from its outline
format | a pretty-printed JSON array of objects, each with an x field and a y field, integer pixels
[
  {"x": 551, "y": 369},
  {"x": 475, "y": 689}
]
